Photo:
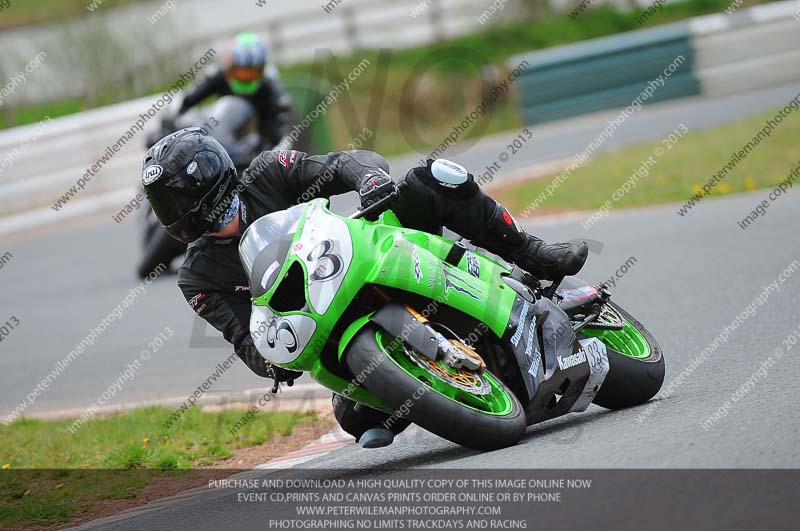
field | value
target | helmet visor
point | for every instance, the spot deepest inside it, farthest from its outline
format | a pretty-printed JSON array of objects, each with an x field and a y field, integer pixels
[
  {"x": 246, "y": 74},
  {"x": 170, "y": 206},
  {"x": 200, "y": 219}
]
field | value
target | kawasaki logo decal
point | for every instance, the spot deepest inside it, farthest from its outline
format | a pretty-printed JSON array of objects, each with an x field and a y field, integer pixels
[{"x": 571, "y": 361}]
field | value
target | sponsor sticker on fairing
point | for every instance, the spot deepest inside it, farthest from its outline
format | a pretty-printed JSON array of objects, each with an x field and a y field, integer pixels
[
  {"x": 533, "y": 355},
  {"x": 571, "y": 361},
  {"x": 597, "y": 358},
  {"x": 473, "y": 265},
  {"x": 417, "y": 266},
  {"x": 520, "y": 324}
]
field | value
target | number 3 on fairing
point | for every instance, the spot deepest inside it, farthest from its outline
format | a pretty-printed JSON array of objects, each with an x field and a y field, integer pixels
[
  {"x": 281, "y": 329},
  {"x": 328, "y": 265},
  {"x": 326, "y": 248}
]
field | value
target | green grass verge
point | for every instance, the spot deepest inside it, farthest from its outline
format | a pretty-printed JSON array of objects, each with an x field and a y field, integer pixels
[
  {"x": 676, "y": 175},
  {"x": 50, "y": 474}
]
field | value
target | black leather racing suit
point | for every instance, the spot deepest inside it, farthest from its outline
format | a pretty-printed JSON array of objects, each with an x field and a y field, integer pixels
[
  {"x": 214, "y": 282},
  {"x": 271, "y": 101}
]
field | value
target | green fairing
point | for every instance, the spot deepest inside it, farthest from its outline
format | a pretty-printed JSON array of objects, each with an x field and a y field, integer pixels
[
  {"x": 383, "y": 255},
  {"x": 386, "y": 254}
]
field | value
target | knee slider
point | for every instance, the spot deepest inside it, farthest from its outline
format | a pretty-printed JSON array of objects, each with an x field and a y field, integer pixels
[{"x": 447, "y": 178}]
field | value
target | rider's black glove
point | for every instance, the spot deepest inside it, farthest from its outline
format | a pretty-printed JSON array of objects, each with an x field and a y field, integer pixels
[
  {"x": 377, "y": 185},
  {"x": 280, "y": 374}
]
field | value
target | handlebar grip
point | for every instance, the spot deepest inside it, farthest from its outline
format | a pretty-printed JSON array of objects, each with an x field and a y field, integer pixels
[{"x": 360, "y": 213}]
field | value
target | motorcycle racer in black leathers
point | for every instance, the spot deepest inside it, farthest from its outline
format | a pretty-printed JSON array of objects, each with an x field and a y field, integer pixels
[
  {"x": 193, "y": 188},
  {"x": 247, "y": 74}
]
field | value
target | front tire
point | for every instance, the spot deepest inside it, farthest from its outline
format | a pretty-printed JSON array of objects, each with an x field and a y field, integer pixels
[
  {"x": 636, "y": 364},
  {"x": 389, "y": 373}
]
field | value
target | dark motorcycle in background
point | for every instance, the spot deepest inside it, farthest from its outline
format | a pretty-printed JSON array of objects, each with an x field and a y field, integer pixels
[{"x": 231, "y": 120}]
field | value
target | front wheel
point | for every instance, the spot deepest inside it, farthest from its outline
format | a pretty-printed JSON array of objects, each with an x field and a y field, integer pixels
[
  {"x": 636, "y": 363},
  {"x": 471, "y": 409}
]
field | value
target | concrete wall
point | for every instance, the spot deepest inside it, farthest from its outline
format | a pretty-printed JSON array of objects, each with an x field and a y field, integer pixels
[{"x": 752, "y": 48}]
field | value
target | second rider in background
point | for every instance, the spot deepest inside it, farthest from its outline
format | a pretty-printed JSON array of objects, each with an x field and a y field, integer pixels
[{"x": 248, "y": 74}]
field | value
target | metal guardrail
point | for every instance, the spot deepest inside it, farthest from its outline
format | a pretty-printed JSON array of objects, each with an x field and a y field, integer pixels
[
  {"x": 298, "y": 30},
  {"x": 44, "y": 169},
  {"x": 40, "y": 171},
  {"x": 766, "y": 52},
  {"x": 65, "y": 148}
]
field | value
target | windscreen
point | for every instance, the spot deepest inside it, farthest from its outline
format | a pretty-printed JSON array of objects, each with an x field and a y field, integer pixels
[{"x": 265, "y": 245}]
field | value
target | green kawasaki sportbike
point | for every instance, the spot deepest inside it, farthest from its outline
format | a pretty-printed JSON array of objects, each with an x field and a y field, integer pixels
[{"x": 419, "y": 326}]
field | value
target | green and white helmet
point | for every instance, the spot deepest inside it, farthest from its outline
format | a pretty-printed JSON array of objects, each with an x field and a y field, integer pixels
[{"x": 245, "y": 63}]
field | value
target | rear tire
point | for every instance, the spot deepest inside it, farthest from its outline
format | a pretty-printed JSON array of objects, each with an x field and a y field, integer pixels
[
  {"x": 631, "y": 381},
  {"x": 433, "y": 411}
]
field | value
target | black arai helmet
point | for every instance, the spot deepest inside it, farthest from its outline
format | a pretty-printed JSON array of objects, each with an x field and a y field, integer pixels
[{"x": 189, "y": 180}]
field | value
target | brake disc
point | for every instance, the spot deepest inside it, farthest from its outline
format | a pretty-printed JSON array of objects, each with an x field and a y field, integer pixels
[{"x": 465, "y": 380}]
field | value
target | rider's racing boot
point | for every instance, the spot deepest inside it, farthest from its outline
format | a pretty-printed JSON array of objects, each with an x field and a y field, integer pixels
[
  {"x": 370, "y": 427},
  {"x": 503, "y": 236},
  {"x": 376, "y": 438}
]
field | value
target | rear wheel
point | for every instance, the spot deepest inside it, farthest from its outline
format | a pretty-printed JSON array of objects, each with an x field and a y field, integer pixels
[
  {"x": 472, "y": 409},
  {"x": 636, "y": 363}
]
